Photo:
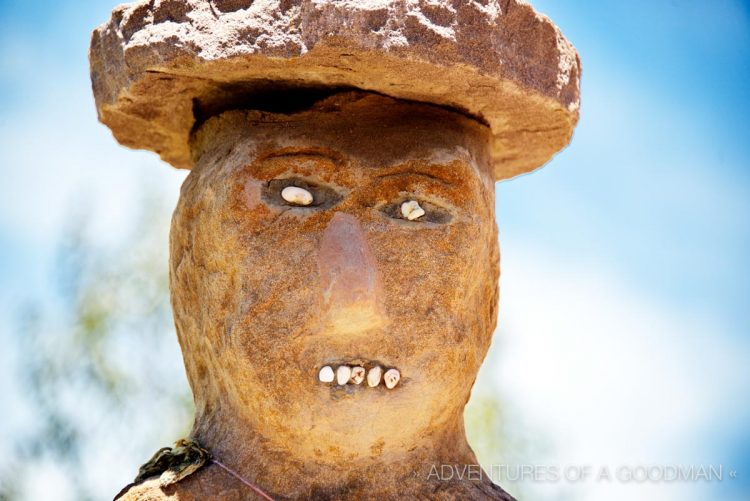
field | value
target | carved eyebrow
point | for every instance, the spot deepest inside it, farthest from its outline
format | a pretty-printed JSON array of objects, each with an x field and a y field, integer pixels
[
  {"x": 410, "y": 173},
  {"x": 305, "y": 153}
]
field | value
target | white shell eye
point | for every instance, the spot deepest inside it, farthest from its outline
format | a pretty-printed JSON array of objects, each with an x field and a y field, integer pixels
[
  {"x": 296, "y": 195},
  {"x": 411, "y": 210}
]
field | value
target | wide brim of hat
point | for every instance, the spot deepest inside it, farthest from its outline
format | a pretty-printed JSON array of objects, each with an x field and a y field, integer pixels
[{"x": 158, "y": 67}]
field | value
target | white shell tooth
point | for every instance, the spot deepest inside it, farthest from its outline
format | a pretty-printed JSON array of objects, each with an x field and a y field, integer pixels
[
  {"x": 343, "y": 373},
  {"x": 296, "y": 195},
  {"x": 391, "y": 377},
  {"x": 411, "y": 210},
  {"x": 373, "y": 377},
  {"x": 326, "y": 374},
  {"x": 358, "y": 375}
]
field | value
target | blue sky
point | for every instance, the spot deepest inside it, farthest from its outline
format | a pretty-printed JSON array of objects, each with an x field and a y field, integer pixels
[
  {"x": 631, "y": 247},
  {"x": 663, "y": 144}
]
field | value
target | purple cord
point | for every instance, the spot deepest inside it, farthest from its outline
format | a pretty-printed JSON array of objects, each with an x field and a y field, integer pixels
[{"x": 238, "y": 477}]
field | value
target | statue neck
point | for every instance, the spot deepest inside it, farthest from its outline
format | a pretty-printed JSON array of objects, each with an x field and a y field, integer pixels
[{"x": 282, "y": 473}]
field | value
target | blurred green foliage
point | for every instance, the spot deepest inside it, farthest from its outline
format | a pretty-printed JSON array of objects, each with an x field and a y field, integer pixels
[
  {"x": 496, "y": 437},
  {"x": 99, "y": 364}
]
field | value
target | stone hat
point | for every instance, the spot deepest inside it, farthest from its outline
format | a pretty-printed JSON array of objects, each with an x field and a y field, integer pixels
[{"x": 159, "y": 67}]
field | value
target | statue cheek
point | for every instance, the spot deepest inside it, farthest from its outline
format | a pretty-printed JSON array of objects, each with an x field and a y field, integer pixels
[{"x": 252, "y": 193}]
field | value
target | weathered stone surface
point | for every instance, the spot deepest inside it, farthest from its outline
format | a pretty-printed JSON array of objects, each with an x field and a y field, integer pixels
[
  {"x": 265, "y": 294},
  {"x": 158, "y": 65}
]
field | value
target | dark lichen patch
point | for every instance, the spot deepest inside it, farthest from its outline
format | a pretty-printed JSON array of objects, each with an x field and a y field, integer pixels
[{"x": 231, "y": 5}]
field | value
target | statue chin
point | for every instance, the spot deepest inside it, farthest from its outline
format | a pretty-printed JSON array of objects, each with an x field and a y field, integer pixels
[{"x": 363, "y": 424}]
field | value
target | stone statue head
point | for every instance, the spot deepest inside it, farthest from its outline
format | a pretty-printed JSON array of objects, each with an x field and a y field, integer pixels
[
  {"x": 267, "y": 292},
  {"x": 356, "y": 231}
]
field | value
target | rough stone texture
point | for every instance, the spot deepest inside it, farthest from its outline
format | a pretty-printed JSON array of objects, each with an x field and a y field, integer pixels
[
  {"x": 260, "y": 293},
  {"x": 158, "y": 65}
]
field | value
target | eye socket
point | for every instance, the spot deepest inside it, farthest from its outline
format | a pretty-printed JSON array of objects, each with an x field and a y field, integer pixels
[
  {"x": 420, "y": 211},
  {"x": 282, "y": 192}
]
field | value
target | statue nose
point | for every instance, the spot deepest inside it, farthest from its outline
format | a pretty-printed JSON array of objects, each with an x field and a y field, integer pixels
[{"x": 349, "y": 278}]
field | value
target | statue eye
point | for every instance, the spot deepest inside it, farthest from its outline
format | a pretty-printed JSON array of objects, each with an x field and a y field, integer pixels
[
  {"x": 301, "y": 193},
  {"x": 411, "y": 210},
  {"x": 417, "y": 211},
  {"x": 296, "y": 195}
]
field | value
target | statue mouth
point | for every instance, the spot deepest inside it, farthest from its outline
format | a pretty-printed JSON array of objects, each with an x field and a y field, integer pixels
[{"x": 357, "y": 373}]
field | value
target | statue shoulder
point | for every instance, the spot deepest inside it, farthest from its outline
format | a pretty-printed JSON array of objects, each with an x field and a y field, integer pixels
[
  {"x": 149, "y": 490},
  {"x": 208, "y": 483},
  {"x": 172, "y": 473}
]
